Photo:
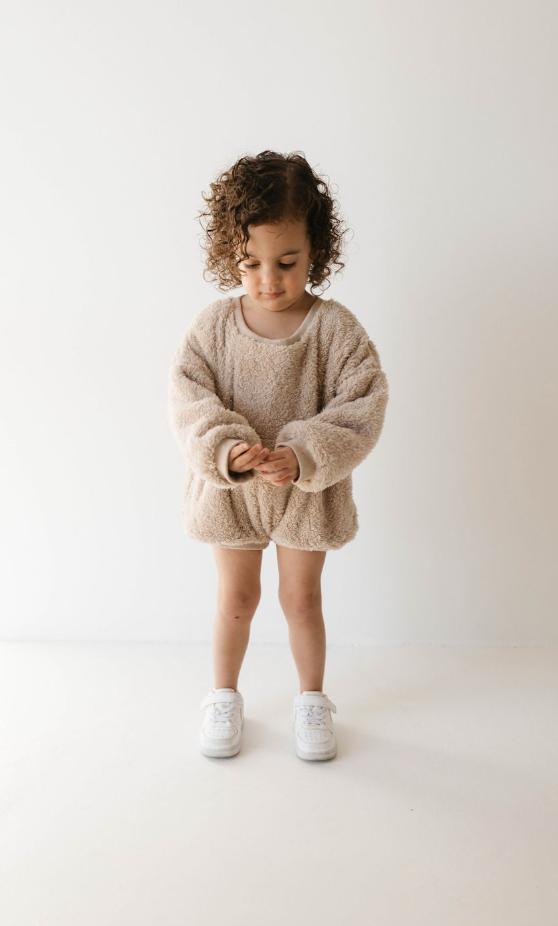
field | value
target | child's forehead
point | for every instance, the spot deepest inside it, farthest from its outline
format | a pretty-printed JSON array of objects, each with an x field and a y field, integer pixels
[
  {"x": 282, "y": 241},
  {"x": 284, "y": 254},
  {"x": 278, "y": 229}
]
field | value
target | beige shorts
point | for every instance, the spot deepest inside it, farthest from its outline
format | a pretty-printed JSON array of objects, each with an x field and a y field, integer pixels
[{"x": 254, "y": 513}]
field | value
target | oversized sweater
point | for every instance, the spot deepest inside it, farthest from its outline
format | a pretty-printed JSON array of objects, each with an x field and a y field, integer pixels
[{"x": 321, "y": 391}]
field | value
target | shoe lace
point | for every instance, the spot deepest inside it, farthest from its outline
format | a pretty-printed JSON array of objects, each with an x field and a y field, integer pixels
[
  {"x": 313, "y": 714},
  {"x": 223, "y": 712}
]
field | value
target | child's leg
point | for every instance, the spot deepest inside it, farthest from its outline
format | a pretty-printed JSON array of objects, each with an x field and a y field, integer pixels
[
  {"x": 300, "y": 596},
  {"x": 238, "y": 596}
]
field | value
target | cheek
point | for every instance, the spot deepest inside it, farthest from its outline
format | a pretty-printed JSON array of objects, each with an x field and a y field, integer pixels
[{"x": 299, "y": 277}]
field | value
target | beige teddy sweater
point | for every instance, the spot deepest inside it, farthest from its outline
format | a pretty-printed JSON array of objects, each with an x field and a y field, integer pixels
[{"x": 320, "y": 391}]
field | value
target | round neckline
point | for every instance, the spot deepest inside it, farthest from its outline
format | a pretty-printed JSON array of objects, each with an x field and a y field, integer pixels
[{"x": 296, "y": 336}]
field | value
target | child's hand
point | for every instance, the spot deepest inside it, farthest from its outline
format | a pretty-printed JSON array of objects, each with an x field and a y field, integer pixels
[
  {"x": 280, "y": 467},
  {"x": 242, "y": 457}
]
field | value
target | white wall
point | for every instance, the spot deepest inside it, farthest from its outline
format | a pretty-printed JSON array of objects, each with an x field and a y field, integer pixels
[{"x": 437, "y": 121}]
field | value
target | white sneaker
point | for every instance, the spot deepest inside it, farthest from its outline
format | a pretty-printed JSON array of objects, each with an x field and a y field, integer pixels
[
  {"x": 222, "y": 726},
  {"x": 313, "y": 726}
]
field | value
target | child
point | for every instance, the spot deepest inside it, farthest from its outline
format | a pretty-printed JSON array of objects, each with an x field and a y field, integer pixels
[{"x": 275, "y": 397}]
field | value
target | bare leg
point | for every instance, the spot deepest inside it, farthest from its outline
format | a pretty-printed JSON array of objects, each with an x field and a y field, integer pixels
[
  {"x": 238, "y": 596},
  {"x": 300, "y": 596}
]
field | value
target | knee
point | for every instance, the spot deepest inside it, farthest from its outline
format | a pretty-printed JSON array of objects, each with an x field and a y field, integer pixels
[
  {"x": 240, "y": 605},
  {"x": 299, "y": 605}
]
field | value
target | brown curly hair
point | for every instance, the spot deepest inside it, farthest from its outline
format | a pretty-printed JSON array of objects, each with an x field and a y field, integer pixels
[{"x": 263, "y": 190}]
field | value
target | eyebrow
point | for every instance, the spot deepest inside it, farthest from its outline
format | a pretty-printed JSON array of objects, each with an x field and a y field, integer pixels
[{"x": 286, "y": 254}]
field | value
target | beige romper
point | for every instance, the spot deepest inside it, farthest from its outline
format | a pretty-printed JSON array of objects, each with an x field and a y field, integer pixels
[{"x": 320, "y": 391}]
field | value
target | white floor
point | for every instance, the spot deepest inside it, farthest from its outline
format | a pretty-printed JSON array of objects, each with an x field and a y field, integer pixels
[{"x": 440, "y": 808}]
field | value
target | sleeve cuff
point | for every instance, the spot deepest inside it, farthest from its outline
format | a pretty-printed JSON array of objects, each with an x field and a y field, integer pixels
[
  {"x": 305, "y": 459},
  {"x": 222, "y": 462}
]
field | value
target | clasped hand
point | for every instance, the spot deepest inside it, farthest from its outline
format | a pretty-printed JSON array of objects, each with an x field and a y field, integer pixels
[{"x": 278, "y": 466}]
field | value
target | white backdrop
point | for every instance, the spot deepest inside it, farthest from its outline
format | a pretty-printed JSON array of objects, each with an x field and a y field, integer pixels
[{"x": 437, "y": 123}]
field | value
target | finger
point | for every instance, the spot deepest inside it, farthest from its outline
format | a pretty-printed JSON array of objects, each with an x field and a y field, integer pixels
[
  {"x": 258, "y": 451},
  {"x": 263, "y": 468},
  {"x": 250, "y": 453},
  {"x": 247, "y": 451},
  {"x": 261, "y": 459},
  {"x": 278, "y": 475}
]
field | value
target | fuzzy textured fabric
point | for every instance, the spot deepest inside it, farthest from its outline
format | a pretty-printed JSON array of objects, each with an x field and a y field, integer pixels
[{"x": 320, "y": 391}]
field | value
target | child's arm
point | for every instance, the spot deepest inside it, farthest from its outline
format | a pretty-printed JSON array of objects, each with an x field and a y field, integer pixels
[
  {"x": 331, "y": 444},
  {"x": 203, "y": 428}
]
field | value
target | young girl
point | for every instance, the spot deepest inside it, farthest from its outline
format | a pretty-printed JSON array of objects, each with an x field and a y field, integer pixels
[{"x": 275, "y": 396}]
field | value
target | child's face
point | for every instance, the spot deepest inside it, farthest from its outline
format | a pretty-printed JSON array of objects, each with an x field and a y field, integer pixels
[{"x": 279, "y": 262}]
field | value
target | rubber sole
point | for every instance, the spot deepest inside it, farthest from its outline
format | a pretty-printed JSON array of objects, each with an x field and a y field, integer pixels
[
  {"x": 219, "y": 753},
  {"x": 313, "y": 757}
]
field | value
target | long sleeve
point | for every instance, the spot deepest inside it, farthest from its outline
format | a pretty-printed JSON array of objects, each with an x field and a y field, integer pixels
[
  {"x": 204, "y": 429},
  {"x": 331, "y": 444}
]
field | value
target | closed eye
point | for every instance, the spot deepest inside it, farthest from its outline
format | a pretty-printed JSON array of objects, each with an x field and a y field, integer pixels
[{"x": 283, "y": 266}]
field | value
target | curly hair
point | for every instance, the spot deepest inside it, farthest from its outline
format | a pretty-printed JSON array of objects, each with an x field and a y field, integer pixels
[{"x": 268, "y": 189}]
